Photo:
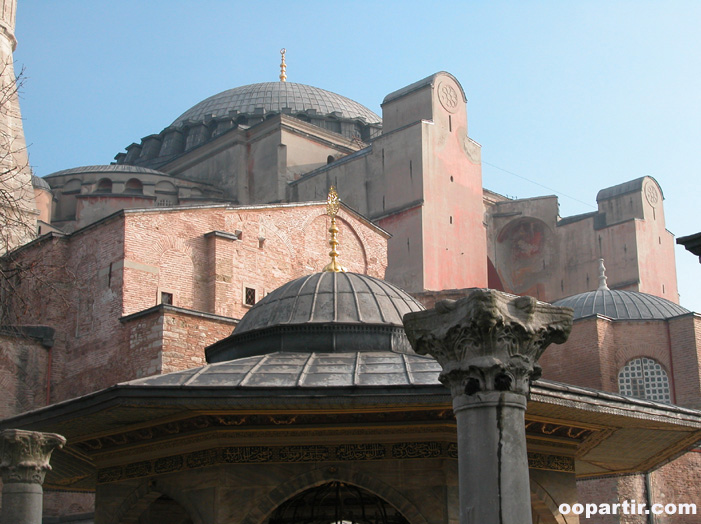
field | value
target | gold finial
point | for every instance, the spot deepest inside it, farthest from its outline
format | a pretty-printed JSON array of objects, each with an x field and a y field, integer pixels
[
  {"x": 283, "y": 66},
  {"x": 332, "y": 205}
]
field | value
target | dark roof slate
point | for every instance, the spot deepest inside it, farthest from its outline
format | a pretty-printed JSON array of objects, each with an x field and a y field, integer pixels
[{"x": 306, "y": 370}]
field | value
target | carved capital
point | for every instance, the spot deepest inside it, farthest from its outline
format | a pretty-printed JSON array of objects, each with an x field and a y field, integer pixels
[
  {"x": 24, "y": 455},
  {"x": 489, "y": 340}
]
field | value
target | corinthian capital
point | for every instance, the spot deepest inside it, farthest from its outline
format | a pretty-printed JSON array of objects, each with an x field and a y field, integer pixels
[
  {"x": 489, "y": 340},
  {"x": 24, "y": 455}
]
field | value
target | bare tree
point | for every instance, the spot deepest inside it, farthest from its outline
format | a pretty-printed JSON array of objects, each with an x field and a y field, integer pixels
[
  {"x": 17, "y": 206},
  {"x": 27, "y": 272}
]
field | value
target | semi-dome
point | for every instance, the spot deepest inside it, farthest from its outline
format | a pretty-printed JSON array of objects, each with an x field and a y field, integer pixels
[
  {"x": 274, "y": 97},
  {"x": 621, "y": 305},
  {"x": 323, "y": 312}
]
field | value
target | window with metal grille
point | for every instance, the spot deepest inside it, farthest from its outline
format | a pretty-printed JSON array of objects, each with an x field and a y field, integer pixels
[
  {"x": 249, "y": 296},
  {"x": 644, "y": 378}
]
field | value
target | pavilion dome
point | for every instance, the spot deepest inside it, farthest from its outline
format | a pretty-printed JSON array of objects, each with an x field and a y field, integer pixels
[
  {"x": 621, "y": 305},
  {"x": 277, "y": 97},
  {"x": 323, "y": 312}
]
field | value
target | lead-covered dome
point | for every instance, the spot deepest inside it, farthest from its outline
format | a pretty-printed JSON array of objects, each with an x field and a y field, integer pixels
[
  {"x": 621, "y": 305},
  {"x": 277, "y": 97},
  {"x": 322, "y": 312}
]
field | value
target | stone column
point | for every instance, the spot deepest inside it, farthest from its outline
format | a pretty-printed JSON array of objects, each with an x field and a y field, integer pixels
[
  {"x": 488, "y": 344},
  {"x": 24, "y": 460}
]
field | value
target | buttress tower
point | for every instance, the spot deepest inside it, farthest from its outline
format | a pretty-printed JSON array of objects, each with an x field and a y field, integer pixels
[{"x": 18, "y": 215}]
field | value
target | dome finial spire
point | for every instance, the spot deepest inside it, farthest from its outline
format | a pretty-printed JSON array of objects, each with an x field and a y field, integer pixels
[
  {"x": 332, "y": 206},
  {"x": 283, "y": 66},
  {"x": 602, "y": 275}
]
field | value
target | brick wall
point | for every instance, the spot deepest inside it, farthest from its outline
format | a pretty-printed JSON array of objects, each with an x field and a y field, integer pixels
[
  {"x": 579, "y": 360},
  {"x": 121, "y": 265},
  {"x": 685, "y": 336},
  {"x": 23, "y": 367},
  {"x": 186, "y": 335},
  {"x": 678, "y": 482},
  {"x": 674, "y": 483},
  {"x": 261, "y": 249}
]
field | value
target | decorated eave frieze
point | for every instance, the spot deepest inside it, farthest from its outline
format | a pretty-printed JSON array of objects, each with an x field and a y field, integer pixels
[
  {"x": 307, "y": 454},
  {"x": 274, "y": 425}
]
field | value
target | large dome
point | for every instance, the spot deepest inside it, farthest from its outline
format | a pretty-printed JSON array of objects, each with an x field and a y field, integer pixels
[
  {"x": 323, "y": 312},
  {"x": 621, "y": 305},
  {"x": 273, "y": 97}
]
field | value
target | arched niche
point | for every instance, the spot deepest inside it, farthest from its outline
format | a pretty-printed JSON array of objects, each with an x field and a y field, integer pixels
[
  {"x": 526, "y": 254},
  {"x": 104, "y": 186}
]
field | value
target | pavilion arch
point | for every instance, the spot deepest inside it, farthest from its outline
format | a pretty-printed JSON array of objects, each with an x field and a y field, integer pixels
[
  {"x": 269, "y": 502},
  {"x": 146, "y": 494},
  {"x": 544, "y": 508}
]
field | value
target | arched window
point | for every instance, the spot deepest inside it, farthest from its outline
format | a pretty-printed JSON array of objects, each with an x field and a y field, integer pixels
[
  {"x": 166, "y": 194},
  {"x": 104, "y": 186},
  {"x": 134, "y": 186},
  {"x": 644, "y": 378}
]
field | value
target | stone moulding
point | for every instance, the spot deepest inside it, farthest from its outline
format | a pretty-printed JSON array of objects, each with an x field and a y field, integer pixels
[{"x": 489, "y": 340}]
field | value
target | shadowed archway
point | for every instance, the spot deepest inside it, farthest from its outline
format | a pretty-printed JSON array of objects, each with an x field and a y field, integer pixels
[
  {"x": 336, "y": 502},
  {"x": 267, "y": 505}
]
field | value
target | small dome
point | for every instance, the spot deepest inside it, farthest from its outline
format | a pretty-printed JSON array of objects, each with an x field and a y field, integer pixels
[
  {"x": 272, "y": 97},
  {"x": 621, "y": 305},
  {"x": 323, "y": 312},
  {"x": 40, "y": 183}
]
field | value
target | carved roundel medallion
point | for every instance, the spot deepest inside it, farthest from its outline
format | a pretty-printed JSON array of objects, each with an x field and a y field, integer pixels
[
  {"x": 448, "y": 97},
  {"x": 651, "y": 193}
]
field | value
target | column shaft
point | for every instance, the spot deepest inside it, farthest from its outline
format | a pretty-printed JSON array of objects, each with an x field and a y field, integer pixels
[
  {"x": 21, "y": 503},
  {"x": 492, "y": 458}
]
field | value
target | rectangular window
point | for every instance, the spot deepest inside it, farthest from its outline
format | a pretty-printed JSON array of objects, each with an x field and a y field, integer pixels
[
  {"x": 249, "y": 298},
  {"x": 166, "y": 298}
]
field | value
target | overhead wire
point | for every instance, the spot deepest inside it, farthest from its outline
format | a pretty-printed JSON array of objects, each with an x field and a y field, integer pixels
[{"x": 559, "y": 193}]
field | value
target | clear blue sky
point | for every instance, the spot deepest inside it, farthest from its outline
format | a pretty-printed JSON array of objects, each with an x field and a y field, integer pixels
[{"x": 573, "y": 96}]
